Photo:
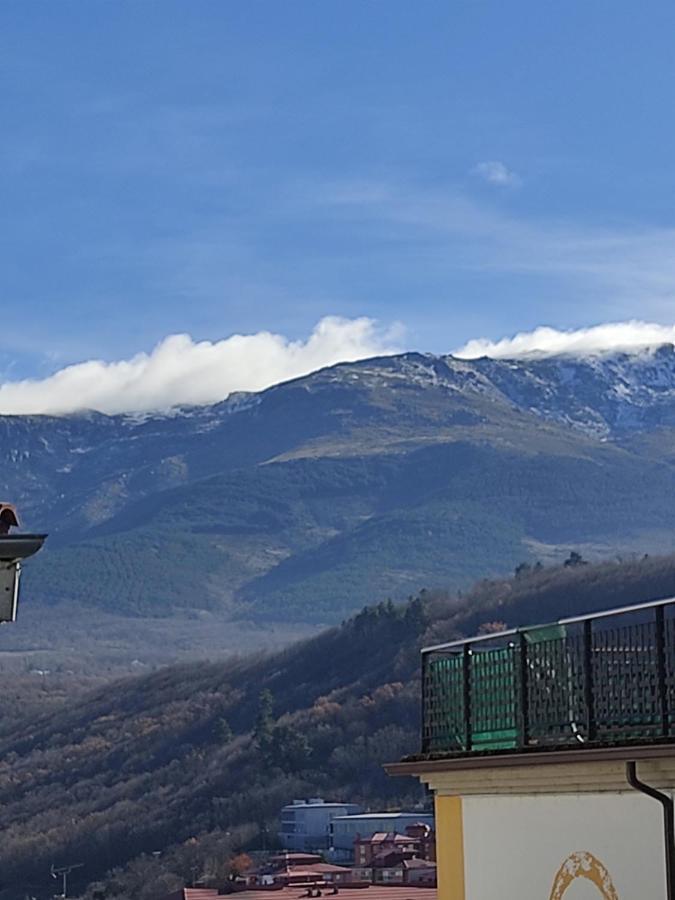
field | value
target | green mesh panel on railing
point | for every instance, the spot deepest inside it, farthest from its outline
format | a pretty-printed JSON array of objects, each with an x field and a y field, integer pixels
[
  {"x": 444, "y": 704},
  {"x": 494, "y": 716},
  {"x": 493, "y": 713}
]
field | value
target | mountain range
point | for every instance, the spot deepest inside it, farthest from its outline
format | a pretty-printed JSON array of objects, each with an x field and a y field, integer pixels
[{"x": 359, "y": 482}]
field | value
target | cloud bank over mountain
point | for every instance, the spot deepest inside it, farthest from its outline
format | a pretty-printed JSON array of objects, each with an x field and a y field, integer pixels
[
  {"x": 181, "y": 371},
  {"x": 608, "y": 338}
]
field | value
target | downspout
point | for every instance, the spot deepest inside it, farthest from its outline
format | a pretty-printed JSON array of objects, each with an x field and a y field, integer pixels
[{"x": 668, "y": 823}]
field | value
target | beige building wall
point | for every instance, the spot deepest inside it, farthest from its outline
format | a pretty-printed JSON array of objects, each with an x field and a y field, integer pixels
[
  {"x": 543, "y": 833},
  {"x": 588, "y": 845}
]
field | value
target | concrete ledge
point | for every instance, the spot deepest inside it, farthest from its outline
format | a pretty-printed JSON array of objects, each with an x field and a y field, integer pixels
[
  {"x": 534, "y": 757},
  {"x": 590, "y": 770}
]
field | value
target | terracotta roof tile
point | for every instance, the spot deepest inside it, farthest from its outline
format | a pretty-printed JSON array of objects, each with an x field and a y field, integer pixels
[{"x": 345, "y": 892}]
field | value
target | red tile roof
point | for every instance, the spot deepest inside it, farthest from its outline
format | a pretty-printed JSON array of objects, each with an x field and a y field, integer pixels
[
  {"x": 193, "y": 894},
  {"x": 294, "y": 856},
  {"x": 359, "y": 891},
  {"x": 346, "y": 891},
  {"x": 314, "y": 868}
]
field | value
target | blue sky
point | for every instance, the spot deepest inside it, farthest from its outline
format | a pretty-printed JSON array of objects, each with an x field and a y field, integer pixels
[{"x": 469, "y": 169}]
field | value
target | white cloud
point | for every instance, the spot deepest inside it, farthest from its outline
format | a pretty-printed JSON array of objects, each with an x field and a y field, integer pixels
[
  {"x": 182, "y": 371},
  {"x": 495, "y": 172},
  {"x": 610, "y": 337}
]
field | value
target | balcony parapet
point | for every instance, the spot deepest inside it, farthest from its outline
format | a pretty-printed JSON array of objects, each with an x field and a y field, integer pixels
[{"x": 588, "y": 682}]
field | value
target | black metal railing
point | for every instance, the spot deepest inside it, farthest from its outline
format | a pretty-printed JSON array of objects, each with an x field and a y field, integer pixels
[{"x": 603, "y": 679}]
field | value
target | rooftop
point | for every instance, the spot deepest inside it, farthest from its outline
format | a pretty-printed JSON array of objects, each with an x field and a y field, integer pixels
[
  {"x": 360, "y": 891},
  {"x": 292, "y": 856},
  {"x": 390, "y": 837},
  {"x": 605, "y": 680},
  {"x": 320, "y": 868},
  {"x": 317, "y": 802},
  {"x": 382, "y": 815}
]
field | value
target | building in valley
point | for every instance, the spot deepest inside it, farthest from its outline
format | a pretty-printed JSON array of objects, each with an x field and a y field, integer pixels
[
  {"x": 305, "y": 824},
  {"x": 396, "y": 868},
  {"x": 299, "y": 869},
  {"x": 346, "y": 830},
  {"x": 417, "y": 842},
  {"x": 392, "y": 858}
]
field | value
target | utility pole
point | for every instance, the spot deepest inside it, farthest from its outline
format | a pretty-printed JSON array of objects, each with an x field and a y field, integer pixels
[{"x": 64, "y": 872}]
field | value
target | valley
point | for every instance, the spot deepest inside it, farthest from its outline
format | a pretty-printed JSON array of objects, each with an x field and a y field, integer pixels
[{"x": 173, "y": 760}]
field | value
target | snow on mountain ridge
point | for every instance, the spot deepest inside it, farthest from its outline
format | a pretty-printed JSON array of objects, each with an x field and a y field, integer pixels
[{"x": 602, "y": 394}]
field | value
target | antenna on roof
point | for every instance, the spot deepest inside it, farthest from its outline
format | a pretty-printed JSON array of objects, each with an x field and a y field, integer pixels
[
  {"x": 14, "y": 548},
  {"x": 64, "y": 872}
]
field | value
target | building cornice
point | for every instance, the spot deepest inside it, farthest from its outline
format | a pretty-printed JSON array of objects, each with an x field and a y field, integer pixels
[{"x": 589, "y": 770}]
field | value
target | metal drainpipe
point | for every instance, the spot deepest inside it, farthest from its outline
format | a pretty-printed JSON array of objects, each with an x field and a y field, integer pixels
[{"x": 668, "y": 823}]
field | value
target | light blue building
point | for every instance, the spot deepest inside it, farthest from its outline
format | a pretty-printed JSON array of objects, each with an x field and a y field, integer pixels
[{"x": 305, "y": 824}]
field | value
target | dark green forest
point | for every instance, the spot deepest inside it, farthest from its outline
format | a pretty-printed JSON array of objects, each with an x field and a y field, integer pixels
[{"x": 152, "y": 781}]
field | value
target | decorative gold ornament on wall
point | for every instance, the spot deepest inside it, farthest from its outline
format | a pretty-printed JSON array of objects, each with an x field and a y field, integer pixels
[{"x": 582, "y": 864}]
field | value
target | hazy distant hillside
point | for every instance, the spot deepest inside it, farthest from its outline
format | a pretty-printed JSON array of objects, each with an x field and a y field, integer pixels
[
  {"x": 147, "y": 763},
  {"x": 359, "y": 482}
]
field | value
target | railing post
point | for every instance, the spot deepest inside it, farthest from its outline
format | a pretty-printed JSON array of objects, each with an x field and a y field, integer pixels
[
  {"x": 523, "y": 676},
  {"x": 466, "y": 695},
  {"x": 589, "y": 699},
  {"x": 661, "y": 681},
  {"x": 424, "y": 705}
]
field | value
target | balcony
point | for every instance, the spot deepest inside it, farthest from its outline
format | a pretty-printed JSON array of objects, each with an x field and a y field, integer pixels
[{"x": 603, "y": 680}]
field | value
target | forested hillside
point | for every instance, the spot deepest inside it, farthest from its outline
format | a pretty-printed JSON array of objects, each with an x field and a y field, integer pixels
[{"x": 196, "y": 760}]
